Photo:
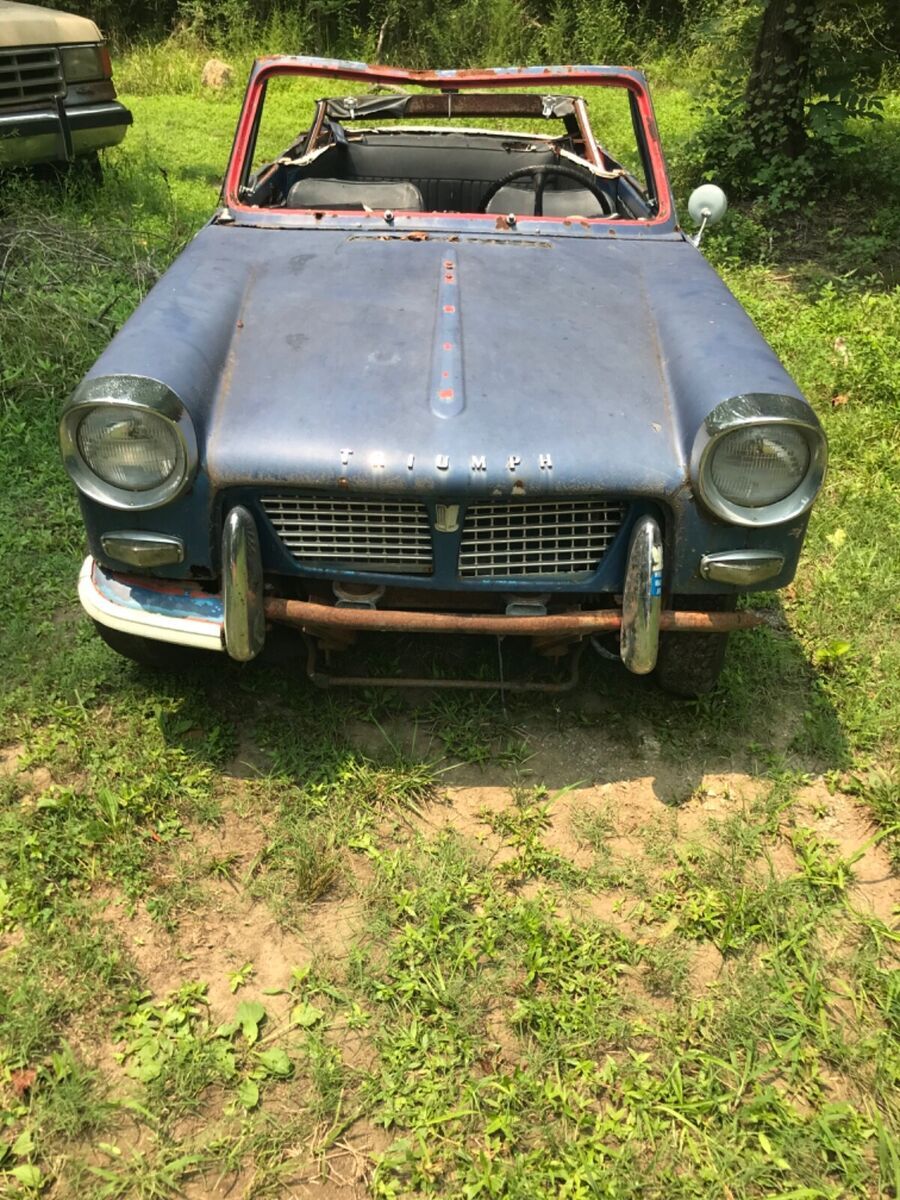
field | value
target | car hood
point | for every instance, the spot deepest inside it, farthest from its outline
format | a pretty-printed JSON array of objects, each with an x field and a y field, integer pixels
[
  {"x": 452, "y": 364},
  {"x": 445, "y": 365},
  {"x": 31, "y": 25}
]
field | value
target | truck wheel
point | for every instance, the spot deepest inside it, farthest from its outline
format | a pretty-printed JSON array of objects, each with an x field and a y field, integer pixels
[
  {"x": 159, "y": 656},
  {"x": 689, "y": 664}
]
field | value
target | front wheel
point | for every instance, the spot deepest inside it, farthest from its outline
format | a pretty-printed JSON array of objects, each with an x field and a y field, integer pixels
[
  {"x": 148, "y": 652},
  {"x": 689, "y": 664}
]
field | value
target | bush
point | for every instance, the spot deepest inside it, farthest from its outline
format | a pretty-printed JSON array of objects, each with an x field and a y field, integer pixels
[{"x": 785, "y": 130}]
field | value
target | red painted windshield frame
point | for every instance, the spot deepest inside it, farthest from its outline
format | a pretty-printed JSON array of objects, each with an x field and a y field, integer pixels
[{"x": 265, "y": 68}]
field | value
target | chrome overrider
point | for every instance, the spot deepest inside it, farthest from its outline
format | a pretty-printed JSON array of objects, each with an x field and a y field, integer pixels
[
  {"x": 242, "y": 580},
  {"x": 642, "y": 598}
]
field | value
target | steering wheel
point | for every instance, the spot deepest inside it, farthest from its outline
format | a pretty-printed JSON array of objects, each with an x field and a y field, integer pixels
[{"x": 538, "y": 175}]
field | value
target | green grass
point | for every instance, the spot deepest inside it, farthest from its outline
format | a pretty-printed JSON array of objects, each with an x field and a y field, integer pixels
[{"x": 246, "y": 943}]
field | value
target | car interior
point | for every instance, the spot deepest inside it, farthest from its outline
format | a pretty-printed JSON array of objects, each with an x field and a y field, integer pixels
[{"x": 349, "y": 160}]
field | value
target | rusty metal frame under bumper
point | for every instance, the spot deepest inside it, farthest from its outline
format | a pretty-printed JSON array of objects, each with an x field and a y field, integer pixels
[{"x": 316, "y": 618}]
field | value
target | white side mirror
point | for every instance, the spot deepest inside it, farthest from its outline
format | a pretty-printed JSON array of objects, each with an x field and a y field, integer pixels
[{"x": 707, "y": 206}]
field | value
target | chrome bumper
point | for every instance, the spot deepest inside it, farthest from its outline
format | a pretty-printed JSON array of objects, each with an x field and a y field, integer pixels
[
  {"x": 57, "y": 133},
  {"x": 152, "y": 608},
  {"x": 235, "y": 621},
  {"x": 182, "y": 612}
]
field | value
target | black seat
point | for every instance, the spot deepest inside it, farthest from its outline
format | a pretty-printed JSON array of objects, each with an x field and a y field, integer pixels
[
  {"x": 355, "y": 194},
  {"x": 558, "y": 202}
]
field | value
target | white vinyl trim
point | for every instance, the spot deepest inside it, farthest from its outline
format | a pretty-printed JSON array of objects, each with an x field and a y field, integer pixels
[{"x": 183, "y": 631}]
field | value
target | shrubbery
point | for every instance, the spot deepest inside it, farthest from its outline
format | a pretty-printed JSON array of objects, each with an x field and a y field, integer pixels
[
  {"x": 790, "y": 126},
  {"x": 785, "y": 81}
]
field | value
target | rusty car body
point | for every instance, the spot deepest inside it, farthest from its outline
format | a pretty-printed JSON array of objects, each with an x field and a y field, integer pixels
[{"x": 421, "y": 374}]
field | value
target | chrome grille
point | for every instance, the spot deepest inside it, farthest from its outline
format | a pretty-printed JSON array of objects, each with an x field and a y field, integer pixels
[
  {"x": 31, "y": 74},
  {"x": 555, "y": 537},
  {"x": 367, "y": 535}
]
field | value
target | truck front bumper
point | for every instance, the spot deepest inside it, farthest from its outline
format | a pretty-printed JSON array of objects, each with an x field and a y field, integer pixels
[{"x": 60, "y": 133}]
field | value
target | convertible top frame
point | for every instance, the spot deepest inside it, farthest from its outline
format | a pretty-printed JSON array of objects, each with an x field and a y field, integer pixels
[{"x": 450, "y": 83}]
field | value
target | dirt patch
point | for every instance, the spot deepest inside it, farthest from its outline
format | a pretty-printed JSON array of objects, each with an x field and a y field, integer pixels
[
  {"x": 234, "y": 842},
  {"x": 561, "y": 834},
  {"x": 209, "y": 946},
  {"x": 358, "y": 1052},
  {"x": 463, "y": 811},
  {"x": 10, "y": 757},
  {"x": 644, "y": 827},
  {"x": 404, "y": 735},
  {"x": 330, "y": 928},
  {"x": 37, "y": 780},
  {"x": 250, "y": 760},
  {"x": 779, "y": 860},
  {"x": 504, "y": 1048},
  {"x": 343, "y": 1170},
  {"x": 631, "y": 803},
  {"x": 614, "y": 907},
  {"x": 466, "y": 810},
  {"x": 219, "y": 1187},
  {"x": 716, "y": 798},
  {"x": 706, "y": 967},
  {"x": 11, "y": 939},
  {"x": 835, "y": 817}
]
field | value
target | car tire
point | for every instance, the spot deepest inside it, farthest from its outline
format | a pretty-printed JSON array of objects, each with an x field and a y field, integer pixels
[
  {"x": 689, "y": 664},
  {"x": 148, "y": 652},
  {"x": 90, "y": 168}
]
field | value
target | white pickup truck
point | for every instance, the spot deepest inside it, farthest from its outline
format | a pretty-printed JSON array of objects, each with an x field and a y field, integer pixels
[{"x": 57, "y": 100}]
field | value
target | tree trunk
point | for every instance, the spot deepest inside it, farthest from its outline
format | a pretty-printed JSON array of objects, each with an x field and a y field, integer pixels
[{"x": 779, "y": 78}]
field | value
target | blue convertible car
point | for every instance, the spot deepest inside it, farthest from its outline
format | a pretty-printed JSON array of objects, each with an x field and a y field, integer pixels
[{"x": 443, "y": 361}]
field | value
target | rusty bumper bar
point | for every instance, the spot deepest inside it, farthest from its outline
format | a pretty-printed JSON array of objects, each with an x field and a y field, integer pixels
[{"x": 324, "y": 616}]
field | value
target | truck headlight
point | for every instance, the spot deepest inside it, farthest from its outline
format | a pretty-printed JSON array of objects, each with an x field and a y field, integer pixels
[
  {"x": 81, "y": 63},
  {"x": 128, "y": 442},
  {"x": 759, "y": 459}
]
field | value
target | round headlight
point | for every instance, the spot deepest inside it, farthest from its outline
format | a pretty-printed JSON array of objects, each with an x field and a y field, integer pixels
[
  {"x": 759, "y": 459},
  {"x": 131, "y": 448},
  {"x": 128, "y": 441},
  {"x": 759, "y": 464}
]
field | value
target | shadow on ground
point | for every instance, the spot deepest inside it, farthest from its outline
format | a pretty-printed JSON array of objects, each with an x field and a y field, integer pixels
[{"x": 768, "y": 713}]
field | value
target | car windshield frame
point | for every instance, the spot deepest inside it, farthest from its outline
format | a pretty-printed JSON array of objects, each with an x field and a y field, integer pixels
[{"x": 450, "y": 83}]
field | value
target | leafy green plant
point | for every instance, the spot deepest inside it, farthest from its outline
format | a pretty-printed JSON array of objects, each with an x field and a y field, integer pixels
[{"x": 514, "y": 1030}]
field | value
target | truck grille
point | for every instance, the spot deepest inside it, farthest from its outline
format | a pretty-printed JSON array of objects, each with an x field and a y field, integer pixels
[
  {"x": 366, "y": 535},
  {"x": 32, "y": 74},
  {"x": 555, "y": 537}
]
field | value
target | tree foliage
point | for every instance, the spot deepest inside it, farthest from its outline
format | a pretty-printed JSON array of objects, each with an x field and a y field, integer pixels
[
  {"x": 784, "y": 128},
  {"x": 788, "y": 80}
]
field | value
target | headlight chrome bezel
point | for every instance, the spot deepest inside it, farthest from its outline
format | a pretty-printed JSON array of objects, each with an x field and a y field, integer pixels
[
  {"x": 136, "y": 392},
  {"x": 742, "y": 412}
]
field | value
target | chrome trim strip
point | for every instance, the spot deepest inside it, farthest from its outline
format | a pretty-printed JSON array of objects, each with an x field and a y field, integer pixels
[
  {"x": 242, "y": 585},
  {"x": 642, "y": 598},
  {"x": 742, "y": 567},
  {"x": 141, "y": 549}
]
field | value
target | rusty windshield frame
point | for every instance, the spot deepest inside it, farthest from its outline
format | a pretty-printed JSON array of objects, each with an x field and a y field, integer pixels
[{"x": 451, "y": 82}]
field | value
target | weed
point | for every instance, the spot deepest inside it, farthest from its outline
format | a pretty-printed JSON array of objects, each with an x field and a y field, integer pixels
[{"x": 511, "y": 1048}]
